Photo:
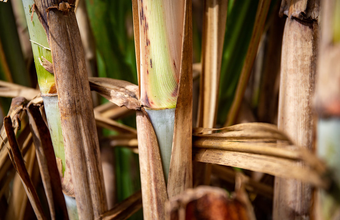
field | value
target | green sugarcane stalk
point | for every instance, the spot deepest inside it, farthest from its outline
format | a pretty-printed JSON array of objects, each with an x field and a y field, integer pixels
[
  {"x": 160, "y": 47},
  {"x": 46, "y": 81}
]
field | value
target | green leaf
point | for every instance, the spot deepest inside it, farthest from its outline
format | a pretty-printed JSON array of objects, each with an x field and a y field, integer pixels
[{"x": 240, "y": 23}]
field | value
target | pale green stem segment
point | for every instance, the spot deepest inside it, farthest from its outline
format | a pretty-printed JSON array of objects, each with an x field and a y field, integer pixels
[
  {"x": 54, "y": 125},
  {"x": 159, "y": 75},
  {"x": 329, "y": 150},
  {"x": 40, "y": 48},
  {"x": 163, "y": 124},
  {"x": 71, "y": 207},
  {"x": 336, "y": 23},
  {"x": 46, "y": 81}
]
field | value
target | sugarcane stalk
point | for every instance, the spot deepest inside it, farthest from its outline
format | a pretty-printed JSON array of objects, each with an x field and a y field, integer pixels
[
  {"x": 75, "y": 105},
  {"x": 214, "y": 23},
  {"x": 164, "y": 57},
  {"x": 80, "y": 156},
  {"x": 161, "y": 24},
  {"x": 41, "y": 53},
  {"x": 292, "y": 198}
]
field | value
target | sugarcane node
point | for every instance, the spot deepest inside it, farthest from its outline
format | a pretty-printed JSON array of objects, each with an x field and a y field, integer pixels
[{"x": 63, "y": 6}]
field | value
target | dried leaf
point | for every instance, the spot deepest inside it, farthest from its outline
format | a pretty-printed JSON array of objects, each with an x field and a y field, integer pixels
[
  {"x": 180, "y": 173},
  {"x": 19, "y": 165},
  {"x": 112, "y": 111},
  {"x": 13, "y": 90},
  {"x": 47, "y": 164},
  {"x": 214, "y": 23},
  {"x": 151, "y": 171},
  {"x": 280, "y": 167},
  {"x": 25, "y": 140},
  {"x": 245, "y": 131},
  {"x": 120, "y": 140},
  {"x": 124, "y": 209},
  {"x": 119, "y": 92},
  {"x": 135, "y": 15},
  {"x": 113, "y": 125},
  {"x": 14, "y": 113}
]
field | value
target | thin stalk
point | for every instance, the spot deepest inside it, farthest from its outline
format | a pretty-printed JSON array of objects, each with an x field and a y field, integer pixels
[
  {"x": 75, "y": 105},
  {"x": 46, "y": 80},
  {"x": 19, "y": 164},
  {"x": 214, "y": 23},
  {"x": 161, "y": 26},
  {"x": 41, "y": 52},
  {"x": 162, "y": 36},
  {"x": 292, "y": 198},
  {"x": 82, "y": 145},
  {"x": 260, "y": 19}
]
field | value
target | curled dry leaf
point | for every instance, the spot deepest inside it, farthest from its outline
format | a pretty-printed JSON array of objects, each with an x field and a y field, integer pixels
[
  {"x": 119, "y": 92},
  {"x": 19, "y": 164},
  {"x": 14, "y": 113},
  {"x": 255, "y": 131},
  {"x": 124, "y": 209},
  {"x": 13, "y": 90},
  {"x": 206, "y": 202}
]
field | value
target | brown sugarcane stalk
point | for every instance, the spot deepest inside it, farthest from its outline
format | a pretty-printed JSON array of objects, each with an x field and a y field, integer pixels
[
  {"x": 293, "y": 199},
  {"x": 75, "y": 105}
]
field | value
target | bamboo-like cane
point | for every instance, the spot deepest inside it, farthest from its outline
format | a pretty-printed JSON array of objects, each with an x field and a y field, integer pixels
[
  {"x": 42, "y": 54},
  {"x": 293, "y": 199},
  {"x": 75, "y": 105},
  {"x": 214, "y": 23},
  {"x": 163, "y": 51}
]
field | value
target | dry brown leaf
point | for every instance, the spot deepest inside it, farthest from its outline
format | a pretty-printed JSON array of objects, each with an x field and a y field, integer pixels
[
  {"x": 124, "y": 209},
  {"x": 120, "y": 140},
  {"x": 47, "y": 164},
  {"x": 280, "y": 167},
  {"x": 112, "y": 111},
  {"x": 214, "y": 23},
  {"x": 113, "y": 125},
  {"x": 121, "y": 93},
  {"x": 151, "y": 171},
  {"x": 19, "y": 165},
  {"x": 14, "y": 112},
  {"x": 13, "y": 90},
  {"x": 19, "y": 201},
  {"x": 180, "y": 173},
  {"x": 25, "y": 140},
  {"x": 135, "y": 15},
  {"x": 245, "y": 131}
]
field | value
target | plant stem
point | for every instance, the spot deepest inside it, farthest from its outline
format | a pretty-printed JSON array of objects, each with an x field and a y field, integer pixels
[
  {"x": 159, "y": 55},
  {"x": 292, "y": 198},
  {"x": 163, "y": 124},
  {"x": 161, "y": 24}
]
